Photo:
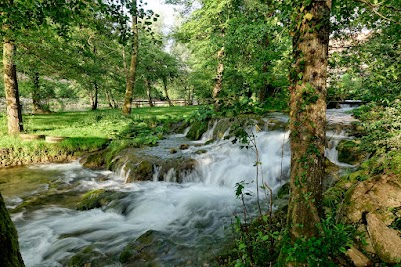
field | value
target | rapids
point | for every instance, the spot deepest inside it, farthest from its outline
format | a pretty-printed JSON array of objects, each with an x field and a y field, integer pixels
[{"x": 193, "y": 217}]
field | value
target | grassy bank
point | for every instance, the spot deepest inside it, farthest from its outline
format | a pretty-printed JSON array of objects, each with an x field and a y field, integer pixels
[{"x": 85, "y": 131}]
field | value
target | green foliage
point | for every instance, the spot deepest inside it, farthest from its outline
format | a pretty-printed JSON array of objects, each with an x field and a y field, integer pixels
[
  {"x": 334, "y": 240},
  {"x": 382, "y": 127}
]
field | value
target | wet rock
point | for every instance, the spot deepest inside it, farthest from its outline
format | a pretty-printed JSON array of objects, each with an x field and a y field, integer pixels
[
  {"x": 146, "y": 250},
  {"x": 386, "y": 241},
  {"x": 98, "y": 198},
  {"x": 348, "y": 152},
  {"x": 173, "y": 151},
  {"x": 198, "y": 128},
  {"x": 135, "y": 166},
  {"x": 358, "y": 258},
  {"x": 95, "y": 160},
  {"x": 89, "y": 257},
  {"x": 184, "y": 146}
]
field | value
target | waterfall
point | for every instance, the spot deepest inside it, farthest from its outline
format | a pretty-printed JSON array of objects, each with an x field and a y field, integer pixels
[{"x": 193, "y": 216}]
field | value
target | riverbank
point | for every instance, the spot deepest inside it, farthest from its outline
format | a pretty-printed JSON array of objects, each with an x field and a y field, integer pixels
[{"x": 65, "y": 136}]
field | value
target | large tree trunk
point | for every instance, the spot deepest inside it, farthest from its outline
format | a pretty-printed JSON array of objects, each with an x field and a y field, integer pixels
[
  {"x": 14, "y": 114},
  {"x": 166, "y": 92},
  {"x": 308, "y": 117},
  {"x": 129, "y": 90},
  {"x": 9, "y": 248},
  {"x": 219, "y": 78}
]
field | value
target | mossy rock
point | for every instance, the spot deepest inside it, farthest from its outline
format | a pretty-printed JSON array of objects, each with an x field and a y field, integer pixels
[
  {"x": 98, "y": 198},
  {"x": 146, "y": 250},
  {"x": 198, "y": 128},
  {"x": 348, "y": 152},
  {"x": 284, "y": 191},
  {"x": 89, "y": 257},
  {"x": 94, "y": 160}
]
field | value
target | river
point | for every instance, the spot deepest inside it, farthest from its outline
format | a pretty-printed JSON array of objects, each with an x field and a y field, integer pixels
[{"x": 188, "y": 222}]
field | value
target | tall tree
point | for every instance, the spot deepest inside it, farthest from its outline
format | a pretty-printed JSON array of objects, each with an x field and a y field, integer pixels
[
  {"x": 17, "y": 15},
  {"x": 133, "y": 62},
  {"x": 310, "y": 29}
]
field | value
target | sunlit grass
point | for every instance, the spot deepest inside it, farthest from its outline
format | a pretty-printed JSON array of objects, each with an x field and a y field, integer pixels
[{"x": 88, "y": 130}]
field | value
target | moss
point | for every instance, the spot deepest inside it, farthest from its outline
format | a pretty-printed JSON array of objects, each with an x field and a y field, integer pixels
[
  {"x": 348, "y": 152},
  {"x": 9, "y": 248},
  {"x": 98, "y": 198},
  {"x": 198, "y": 128}
]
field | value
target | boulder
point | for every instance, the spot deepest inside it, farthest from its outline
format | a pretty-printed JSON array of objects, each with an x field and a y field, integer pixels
[
  {"x": 377, "y": 195},
  {"x": 386, "y": 241},
  {"x": 358, "y": 258}
]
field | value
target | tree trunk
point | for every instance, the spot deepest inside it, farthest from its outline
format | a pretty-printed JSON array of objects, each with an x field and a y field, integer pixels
[
  {"x": 149, "y": 93},
  {"x": 9, "y": 248},
  {"x": 308, "y": 117},
  {"x": 94, "y": 99},
  {"x": 14, "y": 114},
  {"x": 166, "y": 92},
  {"x": 110, "y": 99},
  {"x": 129, "y": 90},
  {"x": 37, "y": 106},
  {"x": 219, "y": 78}
]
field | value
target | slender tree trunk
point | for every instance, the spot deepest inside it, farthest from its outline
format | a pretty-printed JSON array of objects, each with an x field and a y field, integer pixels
[
  {"x": 129, "y": 90},
  {"x": 110, "y": 99},
  {"x": 9, "y": 248},
  {"x": 166, "y": 92},
  {"x": 149, "y": 93},
  {"x": 308, "y": 117},
  {"x": 14, "y": 114},
  {"x": 37, "y": 106},
  {"x": 219, "y": 78},
  {"x": 95, "y": 98}
]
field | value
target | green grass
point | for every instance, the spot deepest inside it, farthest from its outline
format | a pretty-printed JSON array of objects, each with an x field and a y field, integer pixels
[{"x": 91, "y": 130}]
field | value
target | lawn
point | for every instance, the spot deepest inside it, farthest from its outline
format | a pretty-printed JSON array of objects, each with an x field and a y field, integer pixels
[{"x": 90, "y": 130}]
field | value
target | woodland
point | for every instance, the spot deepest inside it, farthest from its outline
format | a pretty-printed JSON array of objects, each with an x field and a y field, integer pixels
[{"x": 223, "y": 59}]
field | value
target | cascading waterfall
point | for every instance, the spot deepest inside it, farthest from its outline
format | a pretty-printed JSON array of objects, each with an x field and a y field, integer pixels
[{"x": 194, "y": 215}]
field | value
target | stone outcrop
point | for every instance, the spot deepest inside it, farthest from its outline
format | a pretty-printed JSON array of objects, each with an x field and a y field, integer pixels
[
  {"x": 373, "y": 204},
  {"x": 377, "y": 195},
  {"x": 386, "y": 241},
  {"x": 358, "y": 258}
]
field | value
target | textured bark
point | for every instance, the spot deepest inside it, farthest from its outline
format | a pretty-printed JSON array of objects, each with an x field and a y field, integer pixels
[
  {"x": 219, "y": 78},
  {"x": 9, "y": 249},
  {"x": 308, "y": 117},
  {"x": 129, "y": 90},
  {"x": 14, "y": 115}
]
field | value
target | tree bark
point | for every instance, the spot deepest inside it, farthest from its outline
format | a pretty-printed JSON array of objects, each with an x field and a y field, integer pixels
[
  {"x": 308, "y": 117},
  {"x": 129, "y": 90},
  {"x": 94, "y": 98},
  {"x": 37, "y": 106},
  {"x": 9, "y": 248},
  {"x": 14, "y": 114},
  {"x": 166, "y": 92},
  {"x": 219, "y": 78},
  {"x": 149, "y": 93}
]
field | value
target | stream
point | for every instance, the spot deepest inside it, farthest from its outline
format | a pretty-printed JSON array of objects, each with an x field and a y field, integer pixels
[{"x": 187, "y": 223}]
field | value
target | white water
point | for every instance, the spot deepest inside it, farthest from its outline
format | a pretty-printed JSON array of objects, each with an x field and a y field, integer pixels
[
  {"x": 193, "y": 215},
  {"x": 198, "y": 210}
]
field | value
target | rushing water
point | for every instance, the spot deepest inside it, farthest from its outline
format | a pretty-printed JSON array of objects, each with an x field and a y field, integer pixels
[{"x": 193, "y": 216}]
